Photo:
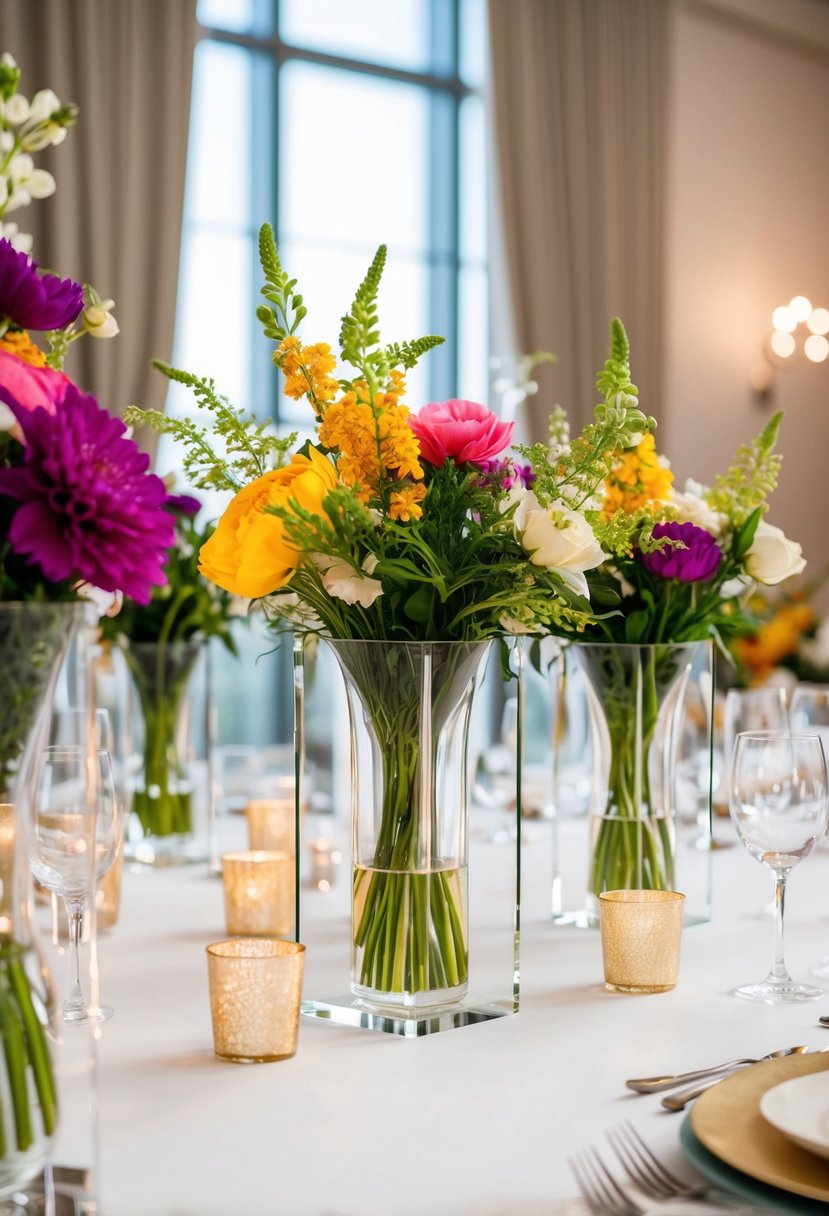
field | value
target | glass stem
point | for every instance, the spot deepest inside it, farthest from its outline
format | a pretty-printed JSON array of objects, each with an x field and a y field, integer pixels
[
  {"x": 75, "y": 909},
  {"x": 778, "y": 968}
]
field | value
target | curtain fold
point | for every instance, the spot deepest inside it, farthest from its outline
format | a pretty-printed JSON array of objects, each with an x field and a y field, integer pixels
[
  {"x": 115, "y": 220},
  {"x": 579, "y": 103}
]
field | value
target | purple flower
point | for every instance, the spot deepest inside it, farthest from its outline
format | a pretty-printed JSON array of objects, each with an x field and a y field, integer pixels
[
  {"x": 90, "y": 510},
  {"x": 693, "y": 564},
  {"x": 182, "y": 504},
  {"x": 504, "y": 474},
  {"x": 32, "y": 300}
]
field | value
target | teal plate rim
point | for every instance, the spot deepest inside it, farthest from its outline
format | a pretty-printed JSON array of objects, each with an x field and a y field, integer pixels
[{"x": 736, "y": 1181}]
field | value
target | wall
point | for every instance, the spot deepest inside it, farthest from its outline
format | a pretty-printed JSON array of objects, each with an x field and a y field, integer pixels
[{"x": 747, "y": 230}]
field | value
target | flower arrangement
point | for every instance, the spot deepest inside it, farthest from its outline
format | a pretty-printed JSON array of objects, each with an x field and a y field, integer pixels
[
  {"x": 396, "y": 527},
  {"x": 677, "y": 568},
  {"x": 788, "y": 641},
  {"x": 79, "y": 514}
]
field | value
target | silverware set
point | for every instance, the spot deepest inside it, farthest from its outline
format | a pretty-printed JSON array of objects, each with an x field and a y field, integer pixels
[
  {"x": 709, "y": 1077},
  {"x": 606, "y": 1195}
]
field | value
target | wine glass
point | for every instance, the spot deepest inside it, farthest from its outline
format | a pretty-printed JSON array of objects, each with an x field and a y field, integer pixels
[
  {"x": 72, "y": 839},
  {"x": 753, "y": 709},
  {"x": 778, "y": 802}
]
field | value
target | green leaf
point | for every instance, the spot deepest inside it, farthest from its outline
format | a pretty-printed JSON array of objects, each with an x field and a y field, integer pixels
[
  {"x": 744, "y": 537},
  {"x": 418, "y": 607},
  {"x": 636, "y": 626}
]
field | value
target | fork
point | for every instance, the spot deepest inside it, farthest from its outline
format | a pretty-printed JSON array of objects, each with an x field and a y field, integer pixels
[
  {"x": 605, "y": 1195},
  {"x": 645, "y": 1169},
  {"x": 600, "y": 1190}
]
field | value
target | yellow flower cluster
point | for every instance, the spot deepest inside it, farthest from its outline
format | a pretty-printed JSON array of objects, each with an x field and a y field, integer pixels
[
  {"x": 374, "y": 441},
  {"x": 307, "y": 371},
  {"x": 19, "y": 344},
  {"x": 637, "y": 479},
  {"x": 774, "y": 640},
  {"x": 405, "y": 503}
]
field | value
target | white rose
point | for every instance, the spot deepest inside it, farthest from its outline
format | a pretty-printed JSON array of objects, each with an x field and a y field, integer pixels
[
  {"x": 559, "y": 539},
  {"x": 691, "y": 508},
  {"x": 772, "y": 556}
]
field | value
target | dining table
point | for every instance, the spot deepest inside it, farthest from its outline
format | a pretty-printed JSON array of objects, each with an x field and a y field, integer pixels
[{"x": 475, "y": 1121}]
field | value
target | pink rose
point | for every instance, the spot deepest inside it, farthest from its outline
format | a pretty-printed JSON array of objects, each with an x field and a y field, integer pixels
[
  {"x": 27, "y": 386},
  {"x": 463, "y": 430}
]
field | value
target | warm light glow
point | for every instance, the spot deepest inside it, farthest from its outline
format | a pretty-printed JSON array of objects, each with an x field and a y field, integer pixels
[
  {"x": 783, "y": 320},
  {"x": 800, "y": 308},
  {"x": 782, "y": 344},
  {"x": 816, "y": 348},
  {"x": 818, "y": 322}
]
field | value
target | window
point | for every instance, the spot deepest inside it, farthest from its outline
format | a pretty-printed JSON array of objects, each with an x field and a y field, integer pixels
[{"x": 345, "y": 123}]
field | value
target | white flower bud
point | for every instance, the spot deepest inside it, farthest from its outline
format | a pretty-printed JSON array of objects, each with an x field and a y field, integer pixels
[
  {"x": 21, "y": 241},
  {"x": 100, "y": 323},
  {"x": 17, "y": 110},
  {"x": 7, "y": 60},
  {"x": 21, "y": 168},
  {"x": 6, "y": 141},
  {"x": 20, "y": 198},
  {"x": 44, "y": 104},
  {"x": 41, "y": 184}
]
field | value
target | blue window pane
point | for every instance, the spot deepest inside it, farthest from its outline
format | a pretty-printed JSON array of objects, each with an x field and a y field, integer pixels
[
  {"x": 396, "y": 33},
  {"x": 473, "y": 181},
  {"x": 473, "y": 335},
  {"x": 474, "y": 45},
  {"x": 328, "y": 280},
  {"x": 240, "y": 16},
  {"x": 219, "y": 155},
  {"x": 353, "y": 158}
]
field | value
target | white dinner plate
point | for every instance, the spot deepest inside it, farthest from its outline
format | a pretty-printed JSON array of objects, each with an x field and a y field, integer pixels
[{"x": 799, "y": 1108}]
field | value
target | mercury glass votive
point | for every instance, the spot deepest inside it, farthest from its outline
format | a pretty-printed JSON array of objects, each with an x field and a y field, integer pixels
[
  {"x": 641, "y": 934},
  {"x": 255, "y": 991},
  {"x": 259, "y": 892},
  {"x": 108, "y": 894},
  {"x": 272, "y": 823},
  {"x": 325, "y": 858}
]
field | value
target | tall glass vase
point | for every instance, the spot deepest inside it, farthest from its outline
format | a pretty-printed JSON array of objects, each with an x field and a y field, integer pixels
[
  {"x": 162, "y": 789},
  {"x": 409, "y": 706},
  {"x": 636, "y": 699},
  {"x": 34, "y": 639}
]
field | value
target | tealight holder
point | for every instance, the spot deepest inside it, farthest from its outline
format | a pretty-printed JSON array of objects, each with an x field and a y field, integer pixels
[
  {"x": 326, "y": 857},
  {"x": 641, "y": 935},
  {"x": 255, "y": 993},
  {"x": 272, "y": 823},
  {"x": 259, "y": 886}
]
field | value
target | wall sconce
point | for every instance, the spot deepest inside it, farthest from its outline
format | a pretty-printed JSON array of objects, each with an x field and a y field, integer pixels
[{"x": 799, "y": 332}]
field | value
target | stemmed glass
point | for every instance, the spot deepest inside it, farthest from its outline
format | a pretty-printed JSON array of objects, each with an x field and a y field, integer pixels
[
  {"x": 778, "y": 802},
  {"x": 72, "y": 839},
  {"x": 753, "y": 709}
]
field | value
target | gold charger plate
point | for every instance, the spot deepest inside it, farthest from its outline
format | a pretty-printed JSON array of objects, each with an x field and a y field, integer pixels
[{"x": 727, "y": 1120}]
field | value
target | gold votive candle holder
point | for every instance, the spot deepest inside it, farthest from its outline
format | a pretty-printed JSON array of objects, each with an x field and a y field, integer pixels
[
  {"x": 255, "y": 992},
  {"x": 259, "y": 892},
  {"x": 272, "y": 824},
  {"x": 108, "y": 894},
  {"x": 641, "y": 934},
  {"x": 326, "y": 857}
]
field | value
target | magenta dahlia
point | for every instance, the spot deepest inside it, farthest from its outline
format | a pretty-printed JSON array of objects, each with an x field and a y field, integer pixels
[
  {"x": 33, "y": 300},
  {"x": 695, "y": 563},
  {"x": 89, "y": 509}
]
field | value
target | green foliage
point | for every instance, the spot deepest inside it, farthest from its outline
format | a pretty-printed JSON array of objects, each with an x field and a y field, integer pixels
[
  {"x": 753, "y": 475},
  {"x": 251, "y": 448},
  {"x": 360, "y": 327},
  {"x": 288, "y": 309},
  {"x": 406, "y": 354},
  {"x": 573, "y": 471}
]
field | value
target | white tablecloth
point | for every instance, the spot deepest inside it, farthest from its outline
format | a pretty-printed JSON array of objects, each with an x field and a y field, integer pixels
[{"x": 477, "y": 1121}]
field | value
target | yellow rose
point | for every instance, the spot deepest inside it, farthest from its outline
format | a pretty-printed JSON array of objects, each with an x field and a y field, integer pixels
[{"x": 249, "y": 554}]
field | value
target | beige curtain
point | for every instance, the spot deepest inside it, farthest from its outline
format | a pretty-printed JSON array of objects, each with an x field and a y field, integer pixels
[
  {"x": 579, "y": 97},
  {"x": 115, "y": 221}
]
